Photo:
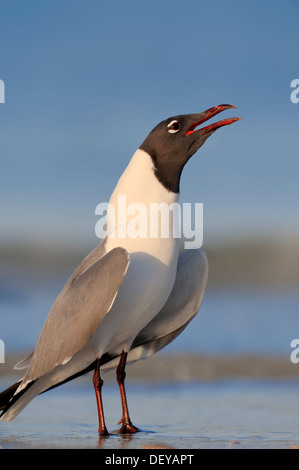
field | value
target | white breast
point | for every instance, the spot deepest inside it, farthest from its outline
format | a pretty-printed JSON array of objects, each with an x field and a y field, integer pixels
[
  {"x": 139, "y": 191},
  {"x": 153, "y": 261}
]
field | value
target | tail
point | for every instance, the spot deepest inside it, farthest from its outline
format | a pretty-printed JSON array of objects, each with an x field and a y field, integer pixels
[
  {"x": 12, "y": 402},
  {"x": 7, "y": 395},
  {"x": 10, "y": 397}
]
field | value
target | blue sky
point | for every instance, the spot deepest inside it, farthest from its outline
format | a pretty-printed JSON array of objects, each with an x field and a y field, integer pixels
[{"x": 87, "y": 80}]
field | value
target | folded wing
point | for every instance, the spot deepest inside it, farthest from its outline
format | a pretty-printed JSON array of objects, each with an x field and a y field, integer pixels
[{"x": 78, "y": 311}]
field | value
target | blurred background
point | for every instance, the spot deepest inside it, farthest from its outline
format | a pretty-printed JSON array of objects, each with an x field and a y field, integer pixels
[{"x": 84, "y": 84}]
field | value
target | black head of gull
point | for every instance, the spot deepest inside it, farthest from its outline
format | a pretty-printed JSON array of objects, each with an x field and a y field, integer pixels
[{"x": 173, "y": 142}]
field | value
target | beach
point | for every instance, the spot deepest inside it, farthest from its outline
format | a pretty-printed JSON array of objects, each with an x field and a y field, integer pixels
[
  {"x": 213, "y": 403},
  {"x": 226, "y": 382}
]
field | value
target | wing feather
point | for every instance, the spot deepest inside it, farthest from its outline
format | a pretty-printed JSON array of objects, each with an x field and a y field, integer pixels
[{"x": 78, "y": 311}]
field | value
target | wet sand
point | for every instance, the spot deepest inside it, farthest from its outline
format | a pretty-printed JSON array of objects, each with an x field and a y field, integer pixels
[{"x": 241, "y": 402}]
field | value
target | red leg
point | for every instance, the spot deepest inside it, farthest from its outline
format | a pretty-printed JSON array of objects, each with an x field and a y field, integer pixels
[
  {"x": 127, "y": 426},
  {"x": 98, "y": 383}
]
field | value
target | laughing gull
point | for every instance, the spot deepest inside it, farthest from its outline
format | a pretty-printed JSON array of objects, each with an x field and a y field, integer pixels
[{"x": 108, "y": 308}]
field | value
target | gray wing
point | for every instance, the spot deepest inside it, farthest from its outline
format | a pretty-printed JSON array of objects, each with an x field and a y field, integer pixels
[
  {"x": 182, "y": 305},
  {"x": 98, "y": 252},
  {"x": 78, "y": 310}
]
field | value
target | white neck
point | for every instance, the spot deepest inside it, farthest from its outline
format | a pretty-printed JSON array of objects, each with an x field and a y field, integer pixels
[
  {"x": 140, "y": 183},
  {"x": 138, "y": 188}
]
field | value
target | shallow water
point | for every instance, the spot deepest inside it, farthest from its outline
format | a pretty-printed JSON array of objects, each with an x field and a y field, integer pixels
[
  {"x": 230, "y": 414},
  {"x": 221, "y": 414},
  {"x": 229, "y": 321}
]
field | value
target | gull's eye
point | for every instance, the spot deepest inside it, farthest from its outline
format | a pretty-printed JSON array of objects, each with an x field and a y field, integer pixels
[{"x": 173, "y": 127}]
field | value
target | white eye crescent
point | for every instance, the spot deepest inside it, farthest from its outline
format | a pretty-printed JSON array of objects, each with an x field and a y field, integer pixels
[{"x": 174, "y": 127}]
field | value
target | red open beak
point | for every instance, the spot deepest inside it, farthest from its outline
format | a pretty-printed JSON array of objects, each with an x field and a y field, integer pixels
[{"x": 208, "y": 114}]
